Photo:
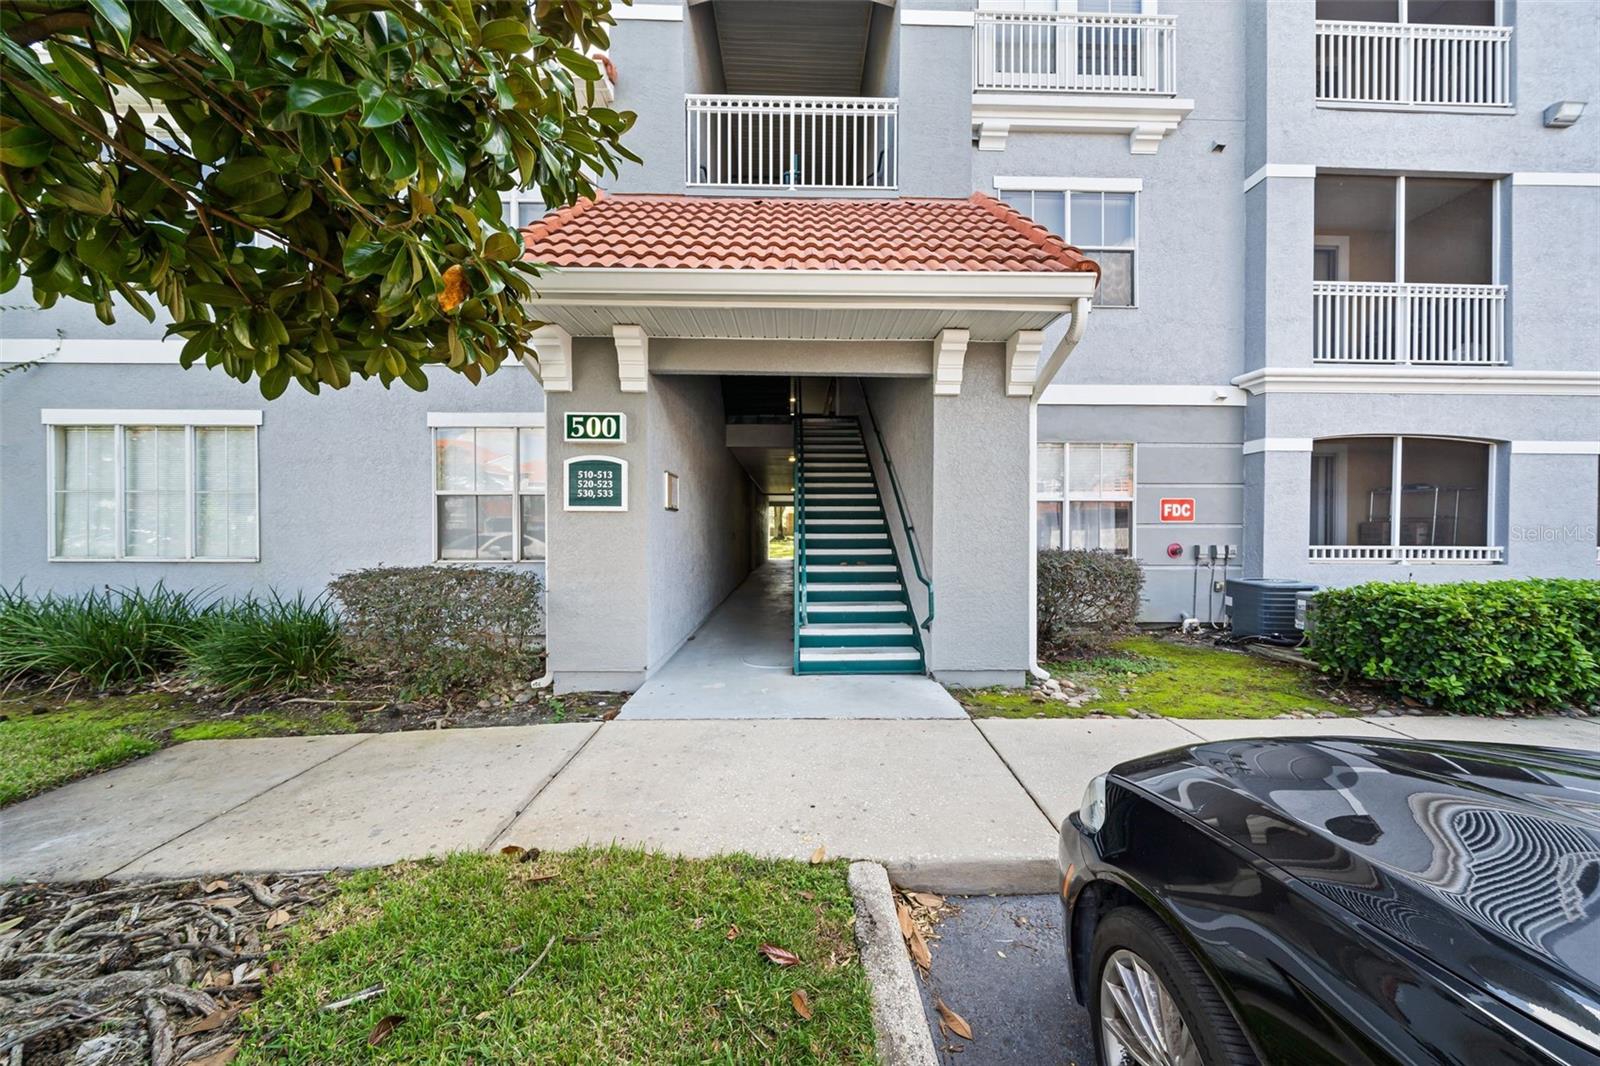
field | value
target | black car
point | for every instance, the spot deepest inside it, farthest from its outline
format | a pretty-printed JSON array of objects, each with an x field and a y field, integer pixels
[{"x": 1340, "y": 901}]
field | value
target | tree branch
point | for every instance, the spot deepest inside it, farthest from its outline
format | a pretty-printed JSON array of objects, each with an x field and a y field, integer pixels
[{"x": 35, "y": 30}]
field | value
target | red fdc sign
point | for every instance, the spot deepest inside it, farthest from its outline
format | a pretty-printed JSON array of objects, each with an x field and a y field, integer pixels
[{"x": 1177, "y": 510}]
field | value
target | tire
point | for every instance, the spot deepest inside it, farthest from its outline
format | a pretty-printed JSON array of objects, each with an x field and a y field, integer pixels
[{"x": 1133, "y": 935}]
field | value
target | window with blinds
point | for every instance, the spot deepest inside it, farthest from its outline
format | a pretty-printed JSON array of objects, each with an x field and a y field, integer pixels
[{"x": 154, "y": 492}]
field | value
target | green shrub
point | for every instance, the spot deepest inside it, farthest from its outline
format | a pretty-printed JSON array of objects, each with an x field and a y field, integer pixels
[
  {"x": 279, "y": 643},
  {"x": 1469, "y": 646},
  {"x": 106, "y": 637},
  {"x": 1086, "y": 597},
  {"x": 440, "y": 629}
]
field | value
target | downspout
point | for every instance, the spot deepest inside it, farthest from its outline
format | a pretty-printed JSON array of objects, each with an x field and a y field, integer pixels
[{"x": 1052, "y": 366}]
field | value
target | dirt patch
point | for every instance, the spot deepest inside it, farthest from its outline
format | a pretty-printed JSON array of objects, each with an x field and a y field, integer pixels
[{"x": 152, "y": 971}]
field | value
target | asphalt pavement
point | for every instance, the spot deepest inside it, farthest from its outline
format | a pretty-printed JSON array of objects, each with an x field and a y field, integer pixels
[{"x": 998, "y": 962}]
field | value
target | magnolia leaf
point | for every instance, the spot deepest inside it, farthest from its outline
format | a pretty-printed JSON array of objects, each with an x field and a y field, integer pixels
[
  {"x": 24, "y": 146},
  {"x": 197, "y": 29},
  {"x": 955, "y": 1022},
  {"x": 440, "y": 144},
  {"x": 315, "y": 96},
  {"x": 272, "y": 13},
  {"x": 779, "y": 956},
  {"x": 801, "y": 1003},
  {"x": 386, "y": 1025},
  {"x": 115, "y": 14}
]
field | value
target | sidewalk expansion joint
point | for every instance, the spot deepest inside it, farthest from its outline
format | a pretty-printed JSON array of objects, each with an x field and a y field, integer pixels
[
  {"x": 538, "y": 790},
  {"x": 248, "y": 799},
  {"x": 1051, "y": 822}
]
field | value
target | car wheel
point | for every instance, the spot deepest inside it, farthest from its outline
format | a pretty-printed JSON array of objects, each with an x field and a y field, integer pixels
[{"x": 1150, "y": 1003}]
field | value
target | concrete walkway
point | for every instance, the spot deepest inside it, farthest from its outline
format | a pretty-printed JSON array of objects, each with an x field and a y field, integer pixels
[
  {"x": 950, "y": 806},
  {"x": 740, "y": 664}
]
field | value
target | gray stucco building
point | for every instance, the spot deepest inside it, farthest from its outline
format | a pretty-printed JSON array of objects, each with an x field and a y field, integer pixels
[{"x": 1346, "y": 327}]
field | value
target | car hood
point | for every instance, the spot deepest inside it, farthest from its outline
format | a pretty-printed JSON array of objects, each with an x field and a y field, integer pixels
[{"x": 1486, "y": 858}]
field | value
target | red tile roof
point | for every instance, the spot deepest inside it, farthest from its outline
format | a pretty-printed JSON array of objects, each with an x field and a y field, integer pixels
[{"x": 769, "y": 233}]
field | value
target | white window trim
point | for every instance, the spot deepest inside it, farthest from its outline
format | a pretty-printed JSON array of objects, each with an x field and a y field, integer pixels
[
  {"x": 1069, "y": 185},
  {"x": 486, "y": 420},
  {"x": 1493, "y": 551},
  {"x": 515, "y": 198},
  {"x": 121, "y": 420},
  {"x": 1066, "y": 494},
  {"x": 93, "y": 416}
]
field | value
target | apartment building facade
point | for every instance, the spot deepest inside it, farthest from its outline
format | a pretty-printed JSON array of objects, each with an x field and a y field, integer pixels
[{"x": 1345, "y": 326}]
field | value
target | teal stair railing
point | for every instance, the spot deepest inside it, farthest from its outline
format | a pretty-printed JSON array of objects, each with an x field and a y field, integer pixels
[
  {"x": 912, "y": 547},
  {"x": 798, "y": 568}
]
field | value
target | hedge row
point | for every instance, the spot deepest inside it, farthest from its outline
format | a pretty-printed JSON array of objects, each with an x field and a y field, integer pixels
[
  {"x": 1470, "y": 646},
  {"x": 1086, "y": 597},
  {"x": 432, "y": 629}
]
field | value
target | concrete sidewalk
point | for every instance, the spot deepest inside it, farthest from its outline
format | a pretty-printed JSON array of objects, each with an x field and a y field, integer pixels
[{"x": 951, "y": 806}]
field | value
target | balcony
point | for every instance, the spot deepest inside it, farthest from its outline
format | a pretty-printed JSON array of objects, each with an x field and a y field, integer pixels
[
  {"x": 1075, "y": 72},
  {"x": 1386, "y": 60},
  {"x": 1405, "y": 272},
  {"x": 1075, "y": 52},
  {"x": 1443, "y": 513},
  {"x": 792, "y": 142},
  {"x": 1394, "y": 322}
]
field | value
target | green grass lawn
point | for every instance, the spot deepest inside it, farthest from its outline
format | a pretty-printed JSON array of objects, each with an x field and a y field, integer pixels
[
  {"x": 1168, "y": 678},
  {"x": 46, "y": 741},
  {"x": 780, "y": 549},
  {"x": 640, "y": 968}
]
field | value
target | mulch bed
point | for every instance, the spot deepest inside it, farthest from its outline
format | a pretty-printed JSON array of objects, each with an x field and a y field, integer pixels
[{"x": 107, "y": 974}]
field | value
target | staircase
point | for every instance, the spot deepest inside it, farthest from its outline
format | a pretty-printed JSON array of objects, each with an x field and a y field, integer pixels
[{"x": 852, "y": 614}]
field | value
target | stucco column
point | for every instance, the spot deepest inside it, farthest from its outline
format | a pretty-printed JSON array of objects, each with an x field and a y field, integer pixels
[
  {"x": 982, "y": 547},
  {"x": 598, "y": 599}
]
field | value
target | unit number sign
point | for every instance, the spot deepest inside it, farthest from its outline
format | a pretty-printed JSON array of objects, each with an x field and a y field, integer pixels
[
  {"x": 596, "y": 483},
  {"x": 610, "y": 427}
]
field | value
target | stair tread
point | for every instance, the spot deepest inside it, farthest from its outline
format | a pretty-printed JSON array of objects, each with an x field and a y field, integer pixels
[
  {"x": 853, "y": 586},
  {"x": 865, "y": 653},
  {"x": 856, "y": 629}
]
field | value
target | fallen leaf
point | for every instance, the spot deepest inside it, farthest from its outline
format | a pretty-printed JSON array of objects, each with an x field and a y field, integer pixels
[
  {"x": 386, "y": 1025},
  {"x": 919, "y": 951},
  {"x": 215, "y": 1020},
  {"x": 780, "y": 956},
  {"x": 733, "y": 932},
  {"x": 226, "y": 901},
  {"x": 220, "y": 1057},
  {"x": 802, "y": 1004},
  {"x": 10, "y": 924},
  {"x": 956, "y": 1022},
  {"x": 482, "y": 1014},
  {"x": 216, "y": 886},
  {"x": 807, "y": 895},
  {"x": 513, "y": 850},
  {"x": 926, "y": 899},
  {"x": 902, "y": 912},
  {"x": 217, "y": 979},
  {"x": 279, "y": 917},
  {"x": 819, "y": 856}
]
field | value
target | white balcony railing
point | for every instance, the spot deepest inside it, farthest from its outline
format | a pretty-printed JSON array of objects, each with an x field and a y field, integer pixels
[
  {"x": 1405, "y": 553},
  {"x": 1396, "y": 64},
  {"x": 1038, "y": 51},
  {"x": 1394, "y": 322},
  {"x": 793, "y": 142}
]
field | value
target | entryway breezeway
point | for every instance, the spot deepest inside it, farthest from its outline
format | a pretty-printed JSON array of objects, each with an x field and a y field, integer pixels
[{"x": 740, "y": 664}]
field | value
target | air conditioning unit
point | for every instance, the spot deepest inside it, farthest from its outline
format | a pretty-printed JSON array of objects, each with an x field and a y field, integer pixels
[{"x": 1266, "y": 607}]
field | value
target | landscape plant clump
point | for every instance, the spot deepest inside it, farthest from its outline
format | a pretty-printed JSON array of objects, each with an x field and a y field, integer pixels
[
  {"x": 1479, "y": 647},
  {"x": 252, "y": 643},
  {"x": 105, "y": 637},
  {"x": 440, "y": 629},
  {"x": 1086, "y": 598}
]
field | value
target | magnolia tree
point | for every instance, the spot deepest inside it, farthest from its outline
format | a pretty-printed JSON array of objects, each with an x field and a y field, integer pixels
[{"x": 310, "y": 188}]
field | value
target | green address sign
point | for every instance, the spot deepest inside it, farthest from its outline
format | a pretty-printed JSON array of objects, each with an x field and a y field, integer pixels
[
  {"x": 596, "y": 483},
  {"x": 610, "y": 427}
]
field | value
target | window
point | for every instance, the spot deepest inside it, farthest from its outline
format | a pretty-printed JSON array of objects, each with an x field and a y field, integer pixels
[
  {"x": 488, "y": 488},
  {"x": 1085, "y": 497},
  {"x": 1443, "y": 509},
  {"x": 1101, "y": 224},
  {"x": 153, "y": 485}
]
